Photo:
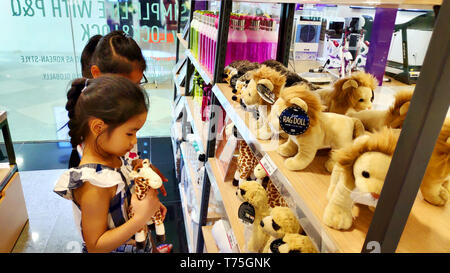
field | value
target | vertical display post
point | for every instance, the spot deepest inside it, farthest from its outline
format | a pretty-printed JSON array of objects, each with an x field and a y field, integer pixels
[
  {"x": 380, "y": 42},
  {"x": 285, "y": 33},
  {"x": 221, "y": 50},
  {"x": 429, "y": 106}
]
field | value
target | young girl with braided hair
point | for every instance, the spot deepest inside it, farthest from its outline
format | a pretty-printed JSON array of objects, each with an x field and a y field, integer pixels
[{"x": 105, "y": 114}]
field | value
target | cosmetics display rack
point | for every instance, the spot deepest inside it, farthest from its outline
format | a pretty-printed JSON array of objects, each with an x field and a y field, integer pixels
[{"x": 402, "y": 221}]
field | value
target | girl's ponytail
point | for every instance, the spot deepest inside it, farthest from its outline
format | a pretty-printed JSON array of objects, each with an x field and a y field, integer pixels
[{"x": 75, "y": 128}]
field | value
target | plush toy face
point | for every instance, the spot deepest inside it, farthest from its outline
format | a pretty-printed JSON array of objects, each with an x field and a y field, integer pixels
[
  {"x": 253, "y": 193},
  {"x": 369, "y": 171},
  {"x": 363, "y": 97},
  {"x": 259, "y": 172},
  {"x": 146, "y": 172},
  {"x": 280, "y": 221}
]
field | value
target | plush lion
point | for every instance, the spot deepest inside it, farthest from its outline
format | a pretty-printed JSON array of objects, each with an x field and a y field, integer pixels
[
  {"x": 358, "y": 175},
  {"x": 261, "y": 92},
  {"x": 236, "y": 69},
  {"x": 293, "y": 243},
  {"x": 435, "y": 185},
  {"x": 280, "y": 222},
  {"x": 392, "y": 117},
  {"x": 325, "y": 129},
  {"x": 255, "y": 195},
  {"x": 292, "y": 78},
  {"x": 350, "y": 94}
]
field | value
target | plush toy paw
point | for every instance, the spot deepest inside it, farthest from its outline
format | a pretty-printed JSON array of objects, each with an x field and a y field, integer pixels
[
  {"x": 337, "y": 217},
  {"x": 263, "y": 134},
  {"x": 287, "y": 149},
  {"x": 294, "y": 164},
  {"x": 437, "y": 195},
  {"x": 329, "y": 165}
]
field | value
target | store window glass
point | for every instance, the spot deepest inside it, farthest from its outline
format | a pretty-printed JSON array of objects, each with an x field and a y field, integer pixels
[{"x": 42, "y": 42}]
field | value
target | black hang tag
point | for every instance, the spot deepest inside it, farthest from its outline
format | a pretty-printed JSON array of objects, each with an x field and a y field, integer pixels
[
  {"x": 275, "y": 245},
  {"x": 294, "y": 120},
  {"x": 246, "y": 213},
  {"x": 265, "y": 93}
]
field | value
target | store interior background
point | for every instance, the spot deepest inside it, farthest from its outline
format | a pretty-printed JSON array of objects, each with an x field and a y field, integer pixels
[{"x": 39, "y": 57}]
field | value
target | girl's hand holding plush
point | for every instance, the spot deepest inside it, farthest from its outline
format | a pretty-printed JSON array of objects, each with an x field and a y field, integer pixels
[{"x": 144, "y": 209}]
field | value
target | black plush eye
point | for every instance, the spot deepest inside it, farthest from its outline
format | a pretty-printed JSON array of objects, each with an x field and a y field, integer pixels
[
  {"x": 361, "y": 100},
  {"x": 242, "y": 192},
  {"x": 275, "y": 226},
  {"x": 366, "y": 174},
  {"x": 139, "y": 170},
  {"x": 247, "y": 81}
]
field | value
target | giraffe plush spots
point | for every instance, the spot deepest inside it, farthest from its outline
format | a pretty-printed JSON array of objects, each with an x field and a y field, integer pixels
[
  {"x": 275, "y": 198},
  {"x": 145, "y": 176},
  {"x": 246, "y": 163}
]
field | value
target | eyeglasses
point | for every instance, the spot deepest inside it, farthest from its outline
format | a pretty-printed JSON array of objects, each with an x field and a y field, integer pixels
[{"x": 143, "y": 80}]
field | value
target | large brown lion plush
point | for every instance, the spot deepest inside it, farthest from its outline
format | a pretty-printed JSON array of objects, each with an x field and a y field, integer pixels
[
  {"x": 261, "y": 92},
  {"x": 361, "y": 166},
  {"x": 350, "y": 94},
  {"x": 325, "y": 129},
  {"x": 435, "y": 186},
  {"x": 392, "y": 117}
]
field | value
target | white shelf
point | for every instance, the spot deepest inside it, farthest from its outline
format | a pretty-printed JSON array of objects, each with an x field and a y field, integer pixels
[
  {"x": 187, "y": 219},
  {"x": 207, "y": 77}
]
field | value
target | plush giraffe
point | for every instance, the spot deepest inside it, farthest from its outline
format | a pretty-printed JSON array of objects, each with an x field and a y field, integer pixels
[
  {"x": 246, "y": 163},
  {"x": 275, "y": 198},
  {"x": 146, "y": 175}
]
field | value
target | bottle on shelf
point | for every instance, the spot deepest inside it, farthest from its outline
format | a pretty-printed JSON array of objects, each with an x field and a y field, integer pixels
[
  {"x": 230, "y": 42},
  {"x": 253, "y": 39},
  {"x": 273, "y": 34},
  {"x": 239, "y": 41},
  {"x": 265, "y": 45},
  {"x": 214, "y": 43}
]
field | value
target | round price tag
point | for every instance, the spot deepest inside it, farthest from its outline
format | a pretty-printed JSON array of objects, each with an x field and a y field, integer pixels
[
  {"x": 246, "y": 213},
  {"x": 294, "y": 120}
]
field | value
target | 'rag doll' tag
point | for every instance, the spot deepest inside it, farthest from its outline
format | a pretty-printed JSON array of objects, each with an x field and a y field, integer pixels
[
  {"x": 294, "y": 120},
  {"x": 365, "y": 198},
  {"x": 265, "y": 93},
  {"x": 246, "y": 213}
]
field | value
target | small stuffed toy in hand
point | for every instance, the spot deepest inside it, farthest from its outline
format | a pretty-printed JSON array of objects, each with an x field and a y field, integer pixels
[{"x": 148, "y": 176}]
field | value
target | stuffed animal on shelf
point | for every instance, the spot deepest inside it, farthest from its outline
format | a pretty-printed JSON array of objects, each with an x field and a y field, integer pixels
[
  {"x": 293, "y": 243},
  {"x": 358, "y": 175},
  {"x": 350, "y": 94},
  {"x": 280, "y": 222},
  {"x": 392, "y": 117},
  {"x": 435, "y": 185},
  {"x": 236, "y": 69},
  {"x": 253, "y": 210},
  {"x": 275, "y": 198},
  {"x": 262, "y": 91},
  {"x": 292, "y": 78},
  {"x": 147, "y": 176},
  {"x": 298, "y": 112},
  {"x": 246, "y": 164}
]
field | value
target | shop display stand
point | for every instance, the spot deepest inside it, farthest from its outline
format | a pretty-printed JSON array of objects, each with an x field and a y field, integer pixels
[{"x": 403, "y": 221}]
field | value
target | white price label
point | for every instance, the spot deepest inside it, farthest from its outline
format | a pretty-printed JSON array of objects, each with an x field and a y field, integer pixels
[{"x": 268, "y": 165}]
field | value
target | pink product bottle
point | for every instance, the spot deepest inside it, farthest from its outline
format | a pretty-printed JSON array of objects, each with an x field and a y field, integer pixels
[
  {"x": 214, "y": 42},
  {"x": 207, "y": 49},
  {"x": 253, "y": 40},
  {"x": 264, "y": 46},
  {"x": 202, "y": 40},
  {"x": 239, "y": 41},
  {"x": 274, "y": 38},
  {"x": 230, "y": 46},
  {"x": 211, "y": 44}
]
